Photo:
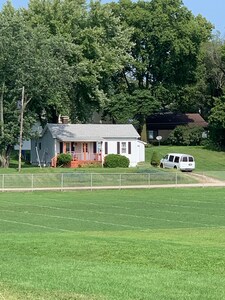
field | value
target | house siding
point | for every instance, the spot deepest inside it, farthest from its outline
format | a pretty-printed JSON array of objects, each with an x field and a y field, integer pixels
[
  {"x": 47, "y": 151},
  {"x": 137, "y": 150}
]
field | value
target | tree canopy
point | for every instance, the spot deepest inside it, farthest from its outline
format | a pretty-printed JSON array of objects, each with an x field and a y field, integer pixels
[{"x": 125, "y": 59}]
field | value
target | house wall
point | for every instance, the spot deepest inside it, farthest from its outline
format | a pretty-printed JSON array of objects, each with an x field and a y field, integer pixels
[
  {"x": 137, "y": 150},
  {"x": 48, "y": 147},
  {"x": 45, "y": 146},
  {"x": 164, "y": 134}
]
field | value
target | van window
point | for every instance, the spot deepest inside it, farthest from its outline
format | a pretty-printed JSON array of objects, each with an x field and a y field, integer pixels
[
  {"x": 171, "y": 158},
  {"x": 185, "y": 159},
  {"x": 191, "y": 159},
  {"x": 176, "y": 160},
  {"x": 166, "y": 157}
]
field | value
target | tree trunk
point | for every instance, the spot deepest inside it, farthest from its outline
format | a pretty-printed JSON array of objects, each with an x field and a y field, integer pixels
[{"x": 5, "y": 157}]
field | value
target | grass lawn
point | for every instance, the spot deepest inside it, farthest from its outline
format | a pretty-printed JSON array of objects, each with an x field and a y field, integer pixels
[
  {"x": 206, "y": 160},
  {"x": 114, "y": 245}
]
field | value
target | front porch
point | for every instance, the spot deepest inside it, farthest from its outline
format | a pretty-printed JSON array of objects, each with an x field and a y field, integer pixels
[
  {"x": 82, "y": 159},
  {"x": 81, "y": 153}
]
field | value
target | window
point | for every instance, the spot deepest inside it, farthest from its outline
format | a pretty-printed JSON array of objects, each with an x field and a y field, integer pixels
[
  {"x": 99, "y": 147},
  {"x": 191, "y": 159},
  {"x": 123, "y": 147},
  {"x": 171, "y": 158},
  {"x": 176, "y": 160},
  {"x": 73, "y": 147},
  {"x": 129, "y": 147},
  {"x": 152, "y": 134},
  {"x": 185, "y": 159},
  {"x": 67, "y": 147},
  {"x": 61, "y": 147},
  {"x": 85, "y": 147},
  {"x": 106, "y": 147},
  {"x": 94, "y": 147},
  {"x": 118, "y": 147}
]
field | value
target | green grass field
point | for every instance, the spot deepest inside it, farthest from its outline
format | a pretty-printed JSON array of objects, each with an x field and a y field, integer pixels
[
  {"x": 206, "y": 160},
  {"x": 114, "y": 245}
]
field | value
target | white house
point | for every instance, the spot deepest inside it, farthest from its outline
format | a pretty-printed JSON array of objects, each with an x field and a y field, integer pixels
[{"x": 88, "y": 143}]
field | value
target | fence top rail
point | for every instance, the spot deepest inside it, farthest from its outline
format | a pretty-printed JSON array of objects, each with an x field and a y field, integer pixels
[
  {"x": 154, "y": 172},
  {"x": 86, "y": 173}
]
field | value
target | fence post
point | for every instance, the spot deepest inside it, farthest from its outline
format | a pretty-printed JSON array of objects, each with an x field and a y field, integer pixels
[
  {"x": 3, "y": 182},
  {"x": 205, "y": 179},
  {"x": 91, "y": 181},
  {"x": 149, "y": 179},
  {"x": 176, "y": 178},
  {"x": 32, "y": 182},
  {"x": 120, "y": 181},
  {"x": 62, "y": 182}
]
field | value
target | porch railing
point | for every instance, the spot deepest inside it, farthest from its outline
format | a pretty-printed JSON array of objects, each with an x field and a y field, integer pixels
[
  {"x": 82, "y": 157},
  {"x": 86, "y": 156}
]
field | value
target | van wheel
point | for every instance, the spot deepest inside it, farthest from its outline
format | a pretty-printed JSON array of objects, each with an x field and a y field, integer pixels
[
  {"x": 175, "y": 167},
  {"x": 161, "y": 165}
]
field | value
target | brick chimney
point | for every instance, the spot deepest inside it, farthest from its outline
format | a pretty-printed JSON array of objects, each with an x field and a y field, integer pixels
[{"x": 64, "y": 120}]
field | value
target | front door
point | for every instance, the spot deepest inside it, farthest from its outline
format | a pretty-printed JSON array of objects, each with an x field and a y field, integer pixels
[{"x": 85, "y": 150}]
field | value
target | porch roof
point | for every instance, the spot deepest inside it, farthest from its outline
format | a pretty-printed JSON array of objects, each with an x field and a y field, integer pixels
[{"x": 85, "y": 139}]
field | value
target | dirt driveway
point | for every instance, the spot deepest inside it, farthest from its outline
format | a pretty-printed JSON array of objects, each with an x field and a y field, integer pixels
[{"x": 206, "y": 180}]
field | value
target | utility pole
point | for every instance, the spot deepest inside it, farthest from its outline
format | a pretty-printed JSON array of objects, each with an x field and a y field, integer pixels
[
  {"x": 21, "y": 129},
  {"x": 1, "y": 109}
]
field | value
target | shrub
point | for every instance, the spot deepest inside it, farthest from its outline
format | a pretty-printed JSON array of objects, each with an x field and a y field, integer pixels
[
  {"x": 186, "y": 136},
  {"x": 155, "y": 161},
  {"x": 116, "y": 161},
  {"x": 64, "y": 159}
]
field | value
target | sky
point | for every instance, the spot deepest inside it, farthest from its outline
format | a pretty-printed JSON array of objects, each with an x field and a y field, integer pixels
[{"x": 213, "y": 11}]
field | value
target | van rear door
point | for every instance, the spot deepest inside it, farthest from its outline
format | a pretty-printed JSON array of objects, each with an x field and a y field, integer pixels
[{"x": 187, "y": 163}]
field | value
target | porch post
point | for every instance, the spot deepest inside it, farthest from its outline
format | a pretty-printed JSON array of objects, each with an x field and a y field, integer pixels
[
  {"x": 84, "y": 145},
  {"x": 64, "y": 147},
  {"x": 55, "y": 148}
]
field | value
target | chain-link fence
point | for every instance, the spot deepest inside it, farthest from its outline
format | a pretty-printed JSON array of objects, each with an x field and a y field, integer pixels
[{"x": 66, "y": 181}]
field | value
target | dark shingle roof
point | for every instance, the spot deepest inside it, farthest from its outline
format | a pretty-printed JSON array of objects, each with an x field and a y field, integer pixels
[{"x": 171, "y": 120}]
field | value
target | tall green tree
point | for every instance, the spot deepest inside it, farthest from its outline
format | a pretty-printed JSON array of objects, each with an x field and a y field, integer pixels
[
  {"x": 215, "y": 65},
  {"x": 217, "y": 123},
  {"x": 167, "y": 40},
  {"x": 33, "y": 59},
  {"x": 101, "y": 46}
]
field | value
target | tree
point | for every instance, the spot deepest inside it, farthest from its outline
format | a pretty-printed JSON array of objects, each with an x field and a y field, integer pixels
[
  {"x": 167, "y": 40},
  {"x": 32, "y": 58},
  {"x": 217, "y": 122},
  {"x": 101, "y": 46}
]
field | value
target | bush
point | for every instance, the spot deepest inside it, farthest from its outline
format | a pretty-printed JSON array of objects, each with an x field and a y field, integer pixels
[
  {"x": 155, "y": 161},
  {"x": 116, "y": 161},
  {"x": 64, "y": 159},
  {"x": 186, "y": 136}
]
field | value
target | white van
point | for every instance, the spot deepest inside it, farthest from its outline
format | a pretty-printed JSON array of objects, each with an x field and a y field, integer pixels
[{"x": 183, "y": 162}]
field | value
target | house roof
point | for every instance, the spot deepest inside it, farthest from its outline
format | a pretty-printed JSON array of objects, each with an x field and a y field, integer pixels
[
  {"x": 171, "y": 120},
  {"x": 91, "y": 132}
]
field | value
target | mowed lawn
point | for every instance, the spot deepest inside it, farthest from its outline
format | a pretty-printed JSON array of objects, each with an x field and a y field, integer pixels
[{"x": 117, "y": 245}]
